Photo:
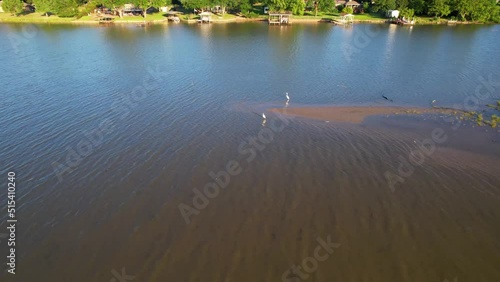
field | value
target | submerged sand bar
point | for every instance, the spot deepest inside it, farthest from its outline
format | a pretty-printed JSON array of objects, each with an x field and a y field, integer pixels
[{"x": 355, "y": 114}]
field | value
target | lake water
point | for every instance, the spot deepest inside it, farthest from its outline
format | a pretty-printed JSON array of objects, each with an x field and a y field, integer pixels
[{"x": 109, "y": 129}]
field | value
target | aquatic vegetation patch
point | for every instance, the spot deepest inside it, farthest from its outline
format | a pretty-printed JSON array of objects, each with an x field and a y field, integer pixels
[{"x": 480, "y": 118}]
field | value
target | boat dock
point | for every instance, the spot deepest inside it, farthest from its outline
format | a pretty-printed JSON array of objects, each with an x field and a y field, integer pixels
[
  {"x": 344, "y": 19},
  {"x": 403, "y": 21},
  {"x": 106, "y": 20},
  {"x": 279, "y": 19},
  {"x": 205, "y": 17}
]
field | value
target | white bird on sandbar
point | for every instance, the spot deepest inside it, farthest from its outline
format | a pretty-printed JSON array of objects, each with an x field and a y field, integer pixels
[{"x": 287, "y": 97}]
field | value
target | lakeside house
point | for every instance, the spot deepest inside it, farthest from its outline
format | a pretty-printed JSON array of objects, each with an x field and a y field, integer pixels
[
  {"x": 353, "y": 4},
  {"x": 216, "y": 9},
  {"x": 131, "y": 10},
  {"x": 393, "y": 14}
]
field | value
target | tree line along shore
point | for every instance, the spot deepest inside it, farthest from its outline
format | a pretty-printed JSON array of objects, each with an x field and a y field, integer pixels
[{"x": 123, "y": 11}]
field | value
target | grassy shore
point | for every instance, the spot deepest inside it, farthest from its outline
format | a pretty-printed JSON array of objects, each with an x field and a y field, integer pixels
[
  {"x": 39, "y": 18},
  {"x": 33, "y": 18},
  {"x": 308, "y": 16}
]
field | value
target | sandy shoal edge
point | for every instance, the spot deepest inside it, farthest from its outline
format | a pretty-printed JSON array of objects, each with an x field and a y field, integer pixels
[{"x": 354, "y": 114}]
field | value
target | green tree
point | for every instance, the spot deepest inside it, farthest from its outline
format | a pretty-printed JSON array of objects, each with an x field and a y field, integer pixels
[
  {"x": 45, "y": 6},
  {"x": 313, "y": 4},
  {"x": 321, "y": 5},
  {"x": 401, "y": 4},
  {"x": 115, "y": 5},
  {"x": 12, "y": 6},
  {"x": 243, "y": 5},
  {"x": 407, "y": 13},
  {"x": 348, "y": 10},
  {"x": 419, "y": 6},
  {"x": 297, "y": 7},
  {"x": 383, "y": 6},
  {"x": 464, "y": 8},
  {"x": 326, "y": 5},
  {"x": 146, "y": 4},
  {"x": 194, "y": 4},
  {"x": 66, "y": 8},
  {"x": 365, "y": 8},
  {"x": 439, "y": 8},
  {"x": 278, "y": 5},
  {"x": 484, "y": 10},
  {"x": 495, "y": 14}
]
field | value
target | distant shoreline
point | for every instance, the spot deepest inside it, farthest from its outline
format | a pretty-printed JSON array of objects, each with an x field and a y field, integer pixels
[{"x": 124, "y": 21}]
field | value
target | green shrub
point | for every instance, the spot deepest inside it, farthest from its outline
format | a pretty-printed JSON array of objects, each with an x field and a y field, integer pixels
[
  {"x": 251, "y": 15},
  {"x": 86, "y": 9},
  {"x": 348, "y": 10},
  {"x": 495, "y": 16},
  {"x": 12, "y": 6},
  {"x": 245, "y": 7},
  {"x": 407, "y": 13},
  {"x": 298, "y": 7},
  {"x": 67, "y": 12},
  {"x": 66, "y": 8}
]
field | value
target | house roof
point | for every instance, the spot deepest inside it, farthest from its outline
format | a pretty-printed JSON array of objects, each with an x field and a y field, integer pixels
[{"x": 353, "y": 3}]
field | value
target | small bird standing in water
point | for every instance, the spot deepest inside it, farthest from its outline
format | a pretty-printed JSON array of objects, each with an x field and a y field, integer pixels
[
  {"x": 263, "y": 116},
  {"x": 287, "y": 97}
]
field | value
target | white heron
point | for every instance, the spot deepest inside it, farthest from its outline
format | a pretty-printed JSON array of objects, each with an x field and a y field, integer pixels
[
  {"x": 263, "y": 116},
  {"x": 287, "y": 97}
]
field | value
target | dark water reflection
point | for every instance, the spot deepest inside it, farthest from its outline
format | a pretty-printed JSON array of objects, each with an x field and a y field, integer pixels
[{"x": 119, "y": 206}]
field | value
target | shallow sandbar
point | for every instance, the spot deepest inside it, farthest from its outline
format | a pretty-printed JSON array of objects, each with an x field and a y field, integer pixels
[{"x": 354, "y": 114}]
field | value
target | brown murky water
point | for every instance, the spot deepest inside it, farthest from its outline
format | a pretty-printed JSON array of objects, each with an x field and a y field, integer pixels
[{"x": 313, "y": 180}]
